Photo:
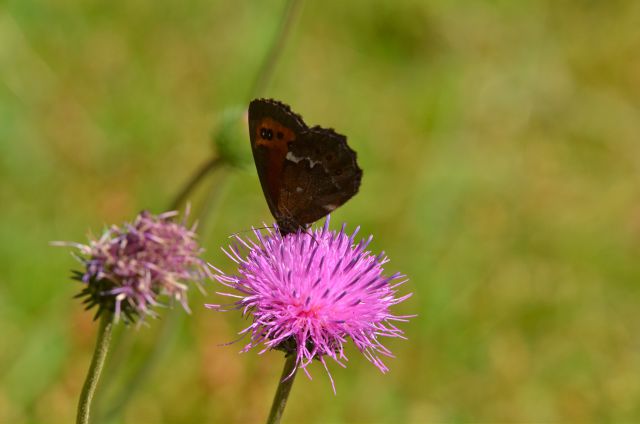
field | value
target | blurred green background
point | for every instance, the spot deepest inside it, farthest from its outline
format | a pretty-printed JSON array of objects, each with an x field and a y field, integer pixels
[{"x": 500, "y": 143}]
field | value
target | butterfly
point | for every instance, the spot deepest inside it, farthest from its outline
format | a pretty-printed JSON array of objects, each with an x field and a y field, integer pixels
[{"x": 305, "y": 172}]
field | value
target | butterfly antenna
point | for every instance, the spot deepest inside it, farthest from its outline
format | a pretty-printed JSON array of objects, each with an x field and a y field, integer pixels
[
  {"x": 232, "y": 235},
  {"x": 309, "y": 231}
]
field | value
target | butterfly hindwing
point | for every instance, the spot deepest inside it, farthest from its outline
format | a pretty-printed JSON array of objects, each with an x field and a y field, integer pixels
[{"x": 320, "y": 173}]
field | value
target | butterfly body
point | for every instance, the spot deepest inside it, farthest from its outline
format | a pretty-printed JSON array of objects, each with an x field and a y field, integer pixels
[{"x": 305, "y": 172}]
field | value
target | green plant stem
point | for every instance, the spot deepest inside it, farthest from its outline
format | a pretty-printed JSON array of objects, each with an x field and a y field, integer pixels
[
  {"x": 283, "y": 390},
  {"x": 267, "y": 68},
  {"x": 210, "y": 207},
  {"x": 197, "y": 177},
  {"x": 97, "y": 363},
  {"x": 168, "y": 330}
]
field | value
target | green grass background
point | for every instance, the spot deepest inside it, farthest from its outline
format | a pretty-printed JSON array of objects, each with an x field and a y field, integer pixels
[{"x": 500, "y": 142}]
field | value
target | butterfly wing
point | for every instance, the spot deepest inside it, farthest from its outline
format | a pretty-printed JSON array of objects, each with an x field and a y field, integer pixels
[
  {"x": 320, "y": 173},
  {"x": 305, "y": 173},
  {"x": 273, "y": 126}
]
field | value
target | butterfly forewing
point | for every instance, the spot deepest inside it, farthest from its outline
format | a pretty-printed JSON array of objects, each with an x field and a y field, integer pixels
[{"x": 272, "y": 126}]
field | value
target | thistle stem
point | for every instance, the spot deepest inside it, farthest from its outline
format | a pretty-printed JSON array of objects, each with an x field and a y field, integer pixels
[
  {"x": 282, "y": 392},
  {"x": 97, "y": 363},
  {"x": 198, "y": 176},
  {"x": 267, "y": 68},
  {"x": 166, "y": 338}
]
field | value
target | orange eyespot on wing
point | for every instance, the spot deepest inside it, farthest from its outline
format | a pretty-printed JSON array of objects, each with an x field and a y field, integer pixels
[
  {"x": 272, "y": 134},
  {"x": 273, "y": 139}
]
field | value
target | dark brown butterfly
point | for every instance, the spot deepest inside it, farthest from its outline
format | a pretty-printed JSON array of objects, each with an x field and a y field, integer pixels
[{"x": 305, "y": 172}]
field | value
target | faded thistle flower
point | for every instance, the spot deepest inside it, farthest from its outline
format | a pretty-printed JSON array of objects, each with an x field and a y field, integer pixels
[
  {"x": 309, "y": 292},
  {"x": 127, "y": 268}
]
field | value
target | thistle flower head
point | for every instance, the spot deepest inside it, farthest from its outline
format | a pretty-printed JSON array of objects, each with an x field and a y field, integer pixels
[
  {"x": 128, "y": 267},
  {"x": 310, "y": 292}
]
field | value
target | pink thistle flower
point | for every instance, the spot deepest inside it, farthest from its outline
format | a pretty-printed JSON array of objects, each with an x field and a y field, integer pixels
[
  {"x": 127, "y": 268},
  {"x": 309, "y": 292}
]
